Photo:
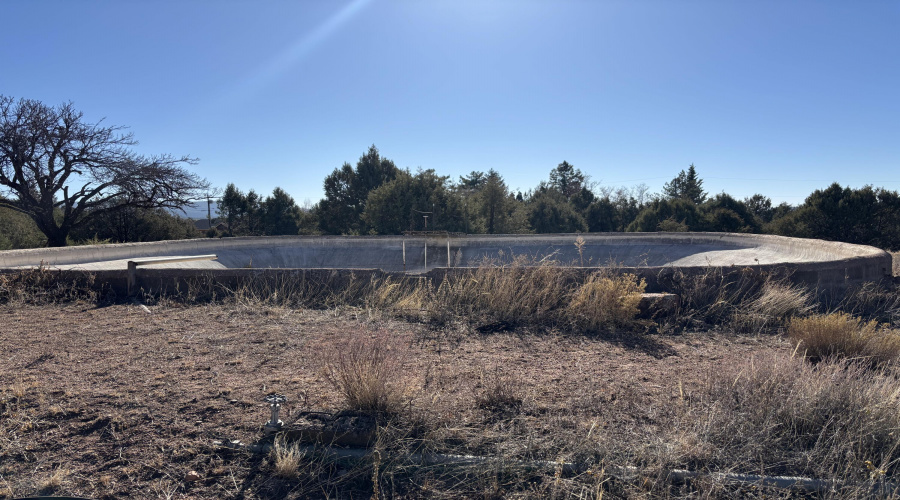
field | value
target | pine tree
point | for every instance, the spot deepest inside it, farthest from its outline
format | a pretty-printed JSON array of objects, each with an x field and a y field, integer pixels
[
  {"x": 687, "y": 186},
  {"x": 567, "y": 179}
]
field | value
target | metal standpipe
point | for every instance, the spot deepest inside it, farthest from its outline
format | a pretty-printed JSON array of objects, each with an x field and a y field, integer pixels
[{"x": 275, "y": 401}]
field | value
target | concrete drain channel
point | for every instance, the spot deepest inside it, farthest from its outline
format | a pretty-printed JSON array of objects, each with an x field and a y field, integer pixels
[{"x": 350, "y": 437}]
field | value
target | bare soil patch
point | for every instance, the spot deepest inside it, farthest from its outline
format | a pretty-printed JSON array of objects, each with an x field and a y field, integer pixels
[{"x": 115, "y": 402}]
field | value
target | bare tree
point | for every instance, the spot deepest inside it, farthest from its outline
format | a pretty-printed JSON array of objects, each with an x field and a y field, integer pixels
[{"x": 62, "y": 172}]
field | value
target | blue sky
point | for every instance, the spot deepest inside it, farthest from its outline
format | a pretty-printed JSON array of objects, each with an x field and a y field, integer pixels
[{"x": 775, "y": 97}]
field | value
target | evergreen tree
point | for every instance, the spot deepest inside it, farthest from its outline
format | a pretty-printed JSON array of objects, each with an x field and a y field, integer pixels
[
  {"x": 601, "y": 216},
  {"x": 232, "y": 207},
  {"x": 550, "y": 212},
  {"x": 726, "y": 214},
  {"x": 280, "y": 213},
  {"x": 567, "y": 179},
  {"x": 687, "y": 186},
  {"x": 761, "y": 207},
  {"x": 254, "y": 213},
  {"x": 474, "y": 181},
  {"x": 493, "y": 197},
  {"x": 347, "y": 190},
  {"x": 398, "y": 205},
  {"x": 675, "y": 214}
]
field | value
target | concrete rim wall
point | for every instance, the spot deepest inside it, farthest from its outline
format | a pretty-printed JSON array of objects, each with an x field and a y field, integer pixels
[
  {"x": 821, "y": 264},
  {"x": 795, "y": 250}
]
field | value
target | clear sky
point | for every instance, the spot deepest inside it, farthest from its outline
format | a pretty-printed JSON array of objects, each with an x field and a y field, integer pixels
[{"x": 779, "y": 97}]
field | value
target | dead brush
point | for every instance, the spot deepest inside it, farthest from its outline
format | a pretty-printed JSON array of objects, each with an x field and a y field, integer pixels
[
  {"x": 314, "y": 289},
  {"x": 838, "y": 334},
  {"x": 499, "y": 391},
  {"x": 712, "y": 297},
  {"x": 292, "y": 290},
  {"x": 520, "y": 292},
  {"x": 46, "y": 286},
  {"x": 603, "y": 301},
  {"x": 367, "y": 371},
  {"x": 872, "y": 300},
  {"x": 779, "y": 415}
]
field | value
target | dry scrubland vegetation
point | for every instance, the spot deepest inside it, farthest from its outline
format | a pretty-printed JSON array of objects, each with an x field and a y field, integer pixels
[{"x": 549, "y": 374}]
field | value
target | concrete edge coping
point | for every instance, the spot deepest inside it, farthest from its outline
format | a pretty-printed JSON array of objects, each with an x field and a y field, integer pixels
[{"x": 149, "y": 261}]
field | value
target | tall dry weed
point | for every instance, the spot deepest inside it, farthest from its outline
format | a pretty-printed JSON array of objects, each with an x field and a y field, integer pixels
[
  {"x": 742, "y": 299},
  {"x": 405, "y": 295},
  {"x": 518, "y": 292},
  {"x": 776, "y": 302},
  {"x": 777, "y": 414}
]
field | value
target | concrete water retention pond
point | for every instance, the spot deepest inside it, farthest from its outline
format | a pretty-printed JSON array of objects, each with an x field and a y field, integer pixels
[{"x": 823, "y": 265}]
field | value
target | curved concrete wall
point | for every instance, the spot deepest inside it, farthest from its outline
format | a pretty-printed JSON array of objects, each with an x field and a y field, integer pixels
[{"x": 817, "y": 262}]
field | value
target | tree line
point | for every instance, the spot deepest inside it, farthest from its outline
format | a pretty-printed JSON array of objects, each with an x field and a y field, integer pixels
[
  {"x": 63, "y": 181},
  {"x": 376, "y": 197}
]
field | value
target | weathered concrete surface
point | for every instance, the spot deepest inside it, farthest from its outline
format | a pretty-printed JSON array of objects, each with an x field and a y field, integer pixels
[{"x": 815, "y": 262}]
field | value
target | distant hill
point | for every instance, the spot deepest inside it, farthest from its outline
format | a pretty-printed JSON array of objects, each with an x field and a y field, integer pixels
[{"x": 197, "y": 211}]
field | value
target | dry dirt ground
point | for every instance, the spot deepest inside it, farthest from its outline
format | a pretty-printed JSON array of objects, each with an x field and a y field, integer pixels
[{"x": 119, "y": 402}]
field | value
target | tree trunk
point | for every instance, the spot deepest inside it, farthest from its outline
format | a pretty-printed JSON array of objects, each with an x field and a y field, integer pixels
[{"x": 57, "y": 238}]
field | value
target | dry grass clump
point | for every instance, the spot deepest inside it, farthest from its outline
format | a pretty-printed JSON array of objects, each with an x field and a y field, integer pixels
[
  {"x": 408, "y": 296},
  {"x": 782, "y": 300},
  {"x": 602, "y": 301},
  {"x": 542, "y": 293},
  {"x": 286, "y": 459},
  {"x": 366, "y": 371},
  {"x": 519, "y": 292},
  {"x": 780, "y": 415},
  {"x": 841, "y": 335}
]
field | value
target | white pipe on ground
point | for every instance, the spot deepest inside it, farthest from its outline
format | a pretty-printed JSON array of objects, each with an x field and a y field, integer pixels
[{"x": 880, "y": 488}]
